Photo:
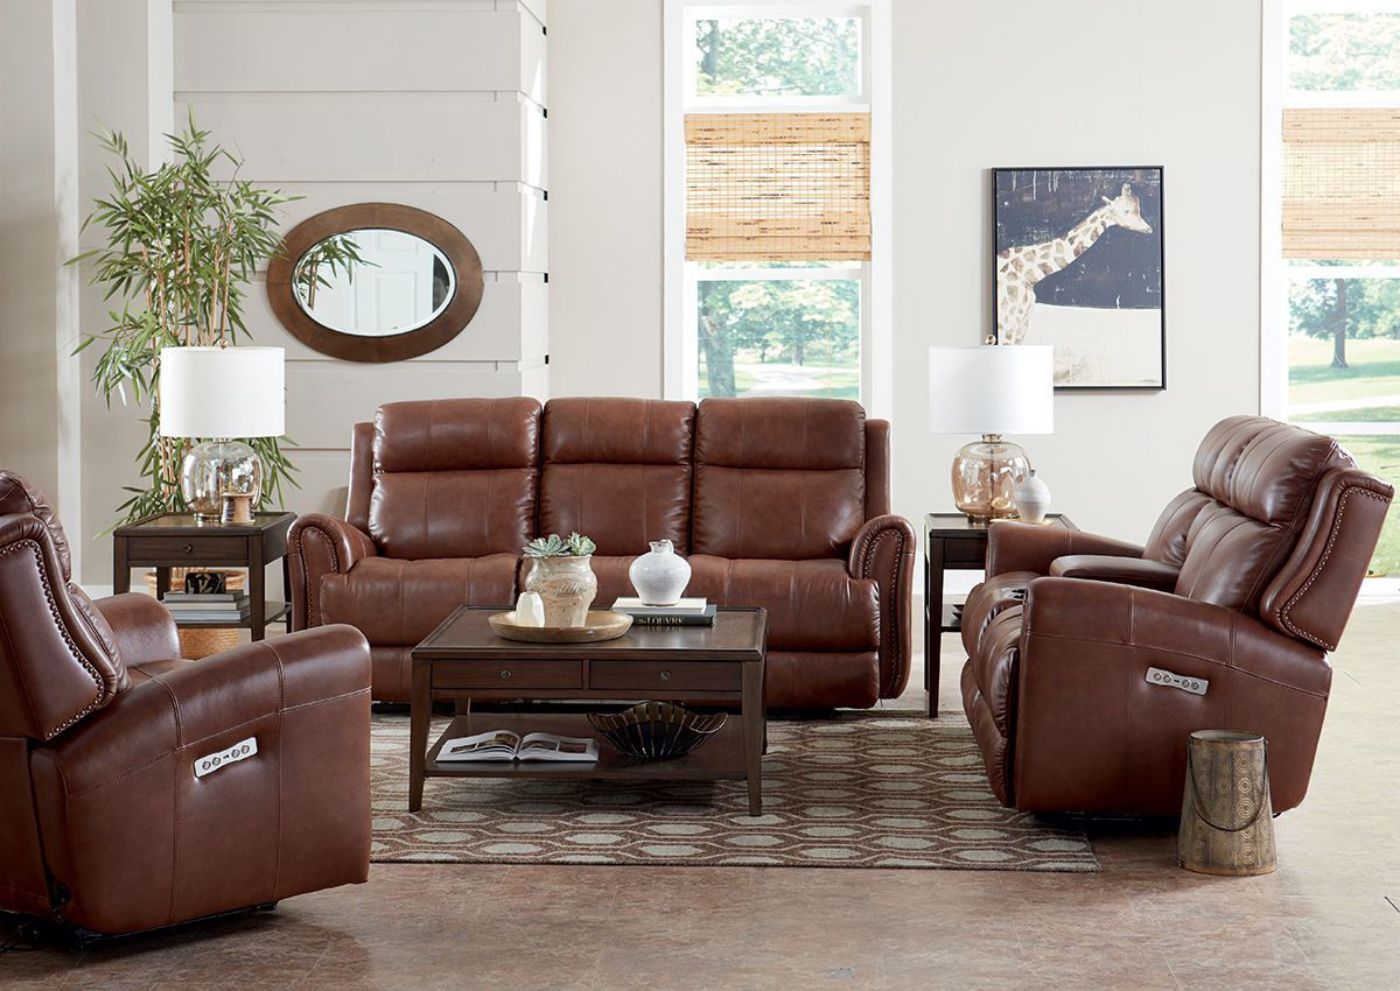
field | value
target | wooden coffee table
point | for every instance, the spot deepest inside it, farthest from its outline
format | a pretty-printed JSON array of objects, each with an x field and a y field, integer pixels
[{"x": 463, "y": 659}]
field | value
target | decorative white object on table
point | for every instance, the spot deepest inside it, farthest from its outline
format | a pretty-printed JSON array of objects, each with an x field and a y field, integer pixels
[
  {"x": 1032, "y": 498},
  {"x": 529, "y": 609},
  {"x": 660, "y": 576}
]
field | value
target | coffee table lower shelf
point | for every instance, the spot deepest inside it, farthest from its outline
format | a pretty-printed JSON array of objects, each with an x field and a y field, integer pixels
[{"x": 721, "y": 757}]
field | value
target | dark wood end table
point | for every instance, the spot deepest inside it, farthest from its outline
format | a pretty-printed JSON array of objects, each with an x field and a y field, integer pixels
[
  {"x": 952, "y": 542},
  {"x": 463, "y": 660},
  {"x": 177, "y": 540}
]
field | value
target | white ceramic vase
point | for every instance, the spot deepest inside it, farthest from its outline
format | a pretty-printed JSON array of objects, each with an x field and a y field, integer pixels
[
  {"x": 1032, "y": 498},
  {"x": 660, "y": 576},
  {"x": 566, "y": 586}
]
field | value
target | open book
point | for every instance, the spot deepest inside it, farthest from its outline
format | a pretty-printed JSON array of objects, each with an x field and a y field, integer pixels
[{"x": 505, "y": 745}]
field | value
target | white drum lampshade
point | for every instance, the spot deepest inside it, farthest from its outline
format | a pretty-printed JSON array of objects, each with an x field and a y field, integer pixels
[
  {"x": 990, "y": 390},
  {"x": 222, "y": 394}
]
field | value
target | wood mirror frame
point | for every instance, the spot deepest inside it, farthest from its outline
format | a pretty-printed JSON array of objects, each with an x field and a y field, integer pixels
[{"x": 452, "y": 243}]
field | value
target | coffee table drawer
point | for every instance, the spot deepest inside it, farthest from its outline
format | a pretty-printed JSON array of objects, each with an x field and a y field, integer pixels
[
  {"x": 508, "y": 674},
  {"x": 695, "y": 676}
]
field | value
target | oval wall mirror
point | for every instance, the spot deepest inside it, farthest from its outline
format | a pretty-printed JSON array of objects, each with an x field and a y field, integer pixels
[{"x": 375, "y": 282}]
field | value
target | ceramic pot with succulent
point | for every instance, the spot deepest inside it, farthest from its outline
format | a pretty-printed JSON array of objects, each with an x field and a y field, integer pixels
[{"x": 561, "y": 574}]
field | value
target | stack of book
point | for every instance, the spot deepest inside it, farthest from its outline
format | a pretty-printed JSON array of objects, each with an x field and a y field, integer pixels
[
  {"x": 208, "y": 607},
  {"x": 686, "y": 612}
]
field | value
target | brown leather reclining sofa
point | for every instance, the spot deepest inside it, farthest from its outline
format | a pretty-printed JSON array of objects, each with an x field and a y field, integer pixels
[
  {"x": 1244, "y": 585},
  {"x": 104, "y": 824},
  {"x": 781, "y": 503}
]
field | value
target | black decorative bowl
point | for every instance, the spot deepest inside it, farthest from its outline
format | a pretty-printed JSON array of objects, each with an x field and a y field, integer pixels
[{"x": 656, "y": 730}]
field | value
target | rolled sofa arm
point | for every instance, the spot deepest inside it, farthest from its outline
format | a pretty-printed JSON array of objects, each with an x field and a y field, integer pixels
[
  {"x": 143, "y": 629},
  {"x": 884, "y": 551},
  {"x": 1013, "y": 546},
  {"x": 1095, "y": 732},
  {"x": 319, "y": 545},
  {"x": 287, "y": 813},
  {"x": 1119, "y": 570}
]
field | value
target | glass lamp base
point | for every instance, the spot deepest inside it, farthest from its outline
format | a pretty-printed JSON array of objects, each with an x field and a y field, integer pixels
[
  {"x": 214, "y": 468},
  {"x": 985, "y": 476}
]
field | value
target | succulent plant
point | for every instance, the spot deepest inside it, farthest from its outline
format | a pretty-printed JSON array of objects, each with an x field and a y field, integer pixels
[{"x": 576, "y": 545}]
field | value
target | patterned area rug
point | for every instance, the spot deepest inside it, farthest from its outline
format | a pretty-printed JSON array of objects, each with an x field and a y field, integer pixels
[{"x": 855, "y": 792}]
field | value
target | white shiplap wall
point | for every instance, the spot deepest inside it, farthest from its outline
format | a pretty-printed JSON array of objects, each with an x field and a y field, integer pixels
[{"x": 438, "y": 104}]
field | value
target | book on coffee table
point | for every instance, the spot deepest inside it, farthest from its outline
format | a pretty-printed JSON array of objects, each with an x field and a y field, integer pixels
[
  {"x": 686, "y": 612},
  {"x": 505, "y": 745}
]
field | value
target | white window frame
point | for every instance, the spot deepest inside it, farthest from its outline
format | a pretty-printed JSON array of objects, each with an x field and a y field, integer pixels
[
  {"x": 1276, "y": 273},
  {"x": 681, "y": 339}
]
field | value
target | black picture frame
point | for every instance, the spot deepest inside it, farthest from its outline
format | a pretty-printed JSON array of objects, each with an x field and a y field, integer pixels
[{"x": 1109, "y": 174}]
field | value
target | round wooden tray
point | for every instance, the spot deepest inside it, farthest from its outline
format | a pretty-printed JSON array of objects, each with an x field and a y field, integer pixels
[{"x": 601, "y": 625}]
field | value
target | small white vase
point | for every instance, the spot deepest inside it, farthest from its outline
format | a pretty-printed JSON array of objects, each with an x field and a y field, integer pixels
[
  {"x": 661, "y": 576},
  {"x": 1032, "y": 498}
]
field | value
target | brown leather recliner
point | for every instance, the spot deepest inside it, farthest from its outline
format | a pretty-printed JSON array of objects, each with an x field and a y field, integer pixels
[
  {"x": 105, "y": 825},
  {"x": 1244, "y": 585},
  {"x": 781, "y": 503}
]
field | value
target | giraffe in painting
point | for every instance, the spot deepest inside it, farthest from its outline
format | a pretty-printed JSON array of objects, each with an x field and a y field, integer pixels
[{"x": 1020, "y": 268}]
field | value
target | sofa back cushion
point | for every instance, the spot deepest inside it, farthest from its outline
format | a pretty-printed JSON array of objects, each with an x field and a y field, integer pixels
[
  {"x": 1256, "y": 480},
  {"x": 454, "y": 477},
  {"x": 778, "y": 478},
  {"x": 618, "y": 470}
]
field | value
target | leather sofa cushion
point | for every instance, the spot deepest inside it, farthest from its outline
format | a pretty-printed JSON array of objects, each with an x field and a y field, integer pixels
[
  {"x": 617, "y": 470},
  {"x": 454, "y": 478},
  {"x": 456, "y": 434},
  {"x": 395, "y": 602},
  {"x": 778, "y": 478},
  {"x": 1264, "y": 469},
  {"x": 812, "y": 605}
]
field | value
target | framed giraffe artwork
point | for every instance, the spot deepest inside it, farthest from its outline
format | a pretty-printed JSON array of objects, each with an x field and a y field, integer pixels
[{"x": 1079, "y": 265}]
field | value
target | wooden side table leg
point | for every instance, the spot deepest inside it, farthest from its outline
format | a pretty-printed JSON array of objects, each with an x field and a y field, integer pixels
[
  {"x": 933, "y": 621},
  {"x": 257, "y": 593},
  {"x": 420, "y": 713},
  {"x": 121, "y": 570},
  {"x": 752, "y": 714}
]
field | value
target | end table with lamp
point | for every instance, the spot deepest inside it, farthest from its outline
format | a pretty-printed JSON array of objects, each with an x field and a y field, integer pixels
[
  {"x": 218, "y": 395},
  {"x": 989, "y": 390}
]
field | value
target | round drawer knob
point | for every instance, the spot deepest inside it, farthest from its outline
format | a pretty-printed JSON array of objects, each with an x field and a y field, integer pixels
[
  {"x": 187, "y": 548},
  {"x": 665, "y": 675},
  {"x": 505, "y": 674}
]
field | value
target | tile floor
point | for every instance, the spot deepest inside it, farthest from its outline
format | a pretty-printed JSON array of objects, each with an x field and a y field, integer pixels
[{"x": 1329, "y": 918}]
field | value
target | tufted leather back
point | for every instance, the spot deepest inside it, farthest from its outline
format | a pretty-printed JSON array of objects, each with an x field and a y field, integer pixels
[
  {"x": 617, "y": 470},
  {"x": 1256, "y": 482},
  {"x": 454, "y": 477},
  {"x": 778, "y": 478},
  {"x": 58, "y": 657}
]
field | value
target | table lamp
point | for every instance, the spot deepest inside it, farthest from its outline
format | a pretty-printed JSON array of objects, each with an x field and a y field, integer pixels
[
  {"x": 222, "y": 393},
  {"x": 990, "y": 390}
]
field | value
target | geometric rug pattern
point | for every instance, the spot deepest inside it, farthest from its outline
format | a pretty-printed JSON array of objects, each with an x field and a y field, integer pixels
[{"x": 866, "y": 792}]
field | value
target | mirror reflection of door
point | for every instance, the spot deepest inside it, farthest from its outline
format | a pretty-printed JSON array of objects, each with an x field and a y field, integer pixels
[{"x": 398, "y": 283}]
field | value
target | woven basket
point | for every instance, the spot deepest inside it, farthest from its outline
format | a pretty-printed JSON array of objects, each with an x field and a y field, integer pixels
[{"x": 197, "y": 642}]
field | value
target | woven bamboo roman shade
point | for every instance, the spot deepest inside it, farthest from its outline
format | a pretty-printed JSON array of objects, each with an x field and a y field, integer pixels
[
  {"x": 1341, "y": 183},
  {"x": 777, "y": 187}
]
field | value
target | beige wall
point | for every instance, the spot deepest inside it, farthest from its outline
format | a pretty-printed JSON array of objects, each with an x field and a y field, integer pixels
[
  {"x": 975, "y": 86},
  {"x": 605, "y": 197}
]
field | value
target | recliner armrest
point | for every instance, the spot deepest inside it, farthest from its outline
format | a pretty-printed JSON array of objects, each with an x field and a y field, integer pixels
[
  {"x": 143, "y": 629},
  {"x": 319, "y": 545},
  {"x": 884, "y": 550},
  {"x": 1135, "y": 571},
  {"x": 1013, "y": 546}
]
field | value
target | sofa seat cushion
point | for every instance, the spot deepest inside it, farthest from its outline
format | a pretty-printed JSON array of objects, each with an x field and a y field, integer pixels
[
  {"x": 812, "y": 605},
  {"x": 397, "y": 602},
  {"x": 989, "y": 599}
]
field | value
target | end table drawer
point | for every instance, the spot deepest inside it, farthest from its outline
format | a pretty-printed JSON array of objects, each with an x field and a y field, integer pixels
[
  {"x": 195, "y": 549},
  {"x": 508, "y": 674},
  {"x": 695, "y": 676}
]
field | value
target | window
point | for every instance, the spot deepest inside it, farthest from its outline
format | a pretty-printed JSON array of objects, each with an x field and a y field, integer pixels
[
  {"x": 1331, "y": 302},
  {"x": 775, "y": 265}
]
